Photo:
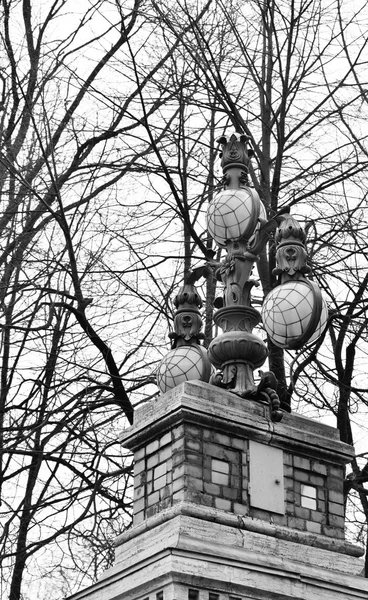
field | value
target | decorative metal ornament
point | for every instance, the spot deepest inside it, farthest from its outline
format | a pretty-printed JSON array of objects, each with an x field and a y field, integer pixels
[
  {"x": 234, "y": 222},
  {"x": 293, "y": 313},
  {"x": 187, "y": 360}
]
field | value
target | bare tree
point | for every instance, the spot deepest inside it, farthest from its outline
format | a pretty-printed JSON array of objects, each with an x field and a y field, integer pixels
[{"x": 72, "y": 350}]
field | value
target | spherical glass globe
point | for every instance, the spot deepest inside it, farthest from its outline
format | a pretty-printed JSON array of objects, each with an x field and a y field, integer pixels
[
  {"x": 233, "y": 215},
  {"x": 184, "y": 363},
  {"x": 294, "y": 313}
]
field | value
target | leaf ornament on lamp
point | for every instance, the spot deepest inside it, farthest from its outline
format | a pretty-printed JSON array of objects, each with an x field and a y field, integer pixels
[
  {"x": 235, "y": 221},
  {"x": 187, "y": 360},
  {"x": 293, "y": 313}
]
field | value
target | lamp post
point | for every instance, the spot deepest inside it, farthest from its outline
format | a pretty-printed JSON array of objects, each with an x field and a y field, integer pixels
[{"x": 293, "y": 313}]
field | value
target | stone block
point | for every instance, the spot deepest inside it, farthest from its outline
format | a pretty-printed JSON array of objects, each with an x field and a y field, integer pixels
[
  {"x": 290, "y": 484},
  {"x": 220, "y": 478},
  {"x": 222, "y": 504},
  {"x": 337, "y": 472},
  {"x": 334, "y": 496},
  {"x": 336, "y": 521},
  {"x": 288, "y": 459},
  {"x": 199, "y": 498},
  {"x": 220, "y": 466},
  {"x": 212, "y": 488},
  {"x": 221, "y": 438},
  {"x": 288, "y": 471},
  {"x": 336, "y": 509},
  {"x": 220, "y": 452},
  {"x": 333, "y": 532},
  {"x": 302, "y": 463},
  {"x": 194, "y": 471},
  {"x": 159, "y": 483},
  {"x": 165, "y": 493},
  {"x": 290, "y": 496},
  {"x": 153, "y": 498},
  {"x": 235, "y": 481},
  {"x": 335, "y": 483},
  {"x": 177, "y": 432},
  {"x": 194, "y": 458},
  {"x": 193, "y": 444},
  {"x": 257, "y": 513},
  {"x": 245, "y": 484},
  {"x": 301, "y": 476},
  {"x": 179, "y": 496},
  {"x": 289, "y": 508},
  {"x": 151, "y": 511},
  {"x": 230, "y": 493},
  {"x": 239, "y": 444},
  {"x": 318, "y": 468},
  {"x": 160, "y": 470},
  {"x": 207, "y": 474},
  {"x": 321, "y": 494},
  {"x": 139, "y": 466},
  {"x": 139, "y": 492},
  {"x": 193, "y": 430},
  {"x": 178, "y": 471},
  {"x": 316, "y": 480},
  {"x": 152, "y": 461},
  {"x": 165, "y": 502},
  {"x": 240, "y": 509},
  {"x": 301, "y": 512},
  {"x": 194, "y": 483},
  {"x": 152, "y": 447},
  {"x": 278, "y": 519},
  {"x": 140, "y": 453},
  {"x": 139, "y": 505},
  {"x": 178, "y": 484},
  {"x": 165, "y": 439},
  {"x": 317, "y": 517},
  {"x": 177, "y": 446},
  {"x": 313, "y": 527},
  {"x": 138, "y": 518},
  {"x": 207, "y": 434},
  {"x": 165, "y": 453},
  {"x": 140, "y": 479},
  {"x": 296, "y": 523},
  {"x": 178, "y": 458}
]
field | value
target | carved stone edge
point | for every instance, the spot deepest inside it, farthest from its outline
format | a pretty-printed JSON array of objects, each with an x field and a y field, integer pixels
[
  {"x": 195, "y": 403},
  {"x": 214, "y": 515}
]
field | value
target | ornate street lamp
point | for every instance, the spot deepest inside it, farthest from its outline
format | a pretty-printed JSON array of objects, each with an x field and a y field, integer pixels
[
  {"x": 187, "y": 360},
  {"x": 293, "y": 313}
]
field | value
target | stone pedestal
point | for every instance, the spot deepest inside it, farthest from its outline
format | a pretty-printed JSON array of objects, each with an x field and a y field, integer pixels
[{"x": 231, "y": 506}]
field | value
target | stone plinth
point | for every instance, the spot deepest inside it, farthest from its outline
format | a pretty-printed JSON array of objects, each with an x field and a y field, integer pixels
[{"x": 231, "y": 506}]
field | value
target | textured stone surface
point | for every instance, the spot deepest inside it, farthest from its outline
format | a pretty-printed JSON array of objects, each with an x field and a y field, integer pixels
[
  {"x": 199, "y": 535},
  {"x": 193, "y": 429},
  {"x": 192, "y": 553}
]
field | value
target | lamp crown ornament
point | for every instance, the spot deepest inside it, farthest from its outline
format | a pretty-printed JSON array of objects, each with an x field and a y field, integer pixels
[
  {"x": 291, "y": 254},
  {"x": 187, "y": 319},
  {"x": 235, "y": 153}
]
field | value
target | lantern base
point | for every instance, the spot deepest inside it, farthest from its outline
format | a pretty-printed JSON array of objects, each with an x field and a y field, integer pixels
[{"x": 237, "y": 354}]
